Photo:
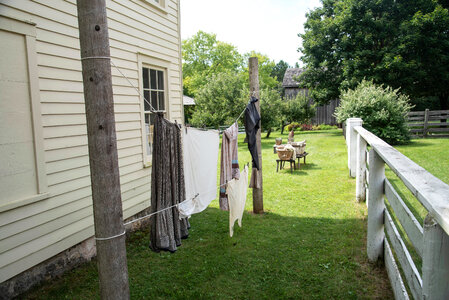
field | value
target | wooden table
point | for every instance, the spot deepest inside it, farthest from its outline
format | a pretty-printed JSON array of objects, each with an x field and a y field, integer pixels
[
  {"x": 299, "y": 156},
  {"x": 282, "y": 163}
]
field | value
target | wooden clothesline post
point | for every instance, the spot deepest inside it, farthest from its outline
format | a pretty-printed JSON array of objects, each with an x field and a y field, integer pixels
[
  {"x": 102, "y": 141},
  {"x": 254, "y": 90}
]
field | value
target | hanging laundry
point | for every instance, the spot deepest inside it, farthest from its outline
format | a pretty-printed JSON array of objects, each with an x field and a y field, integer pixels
[
  {"x": 236, "y": 190},
  {"x": 200, "y": 151},
  {"x": 229, "y": 166},
  {"x": 167, "y": 187},
  {"x": 252, "y": 118}
]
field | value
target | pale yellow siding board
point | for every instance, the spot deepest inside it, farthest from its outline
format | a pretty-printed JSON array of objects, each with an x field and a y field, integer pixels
[
  {"x": 53, "y": 73},
  {"x": 68, "y": 175},
  {"x": 125, "y": 152},
  {"x": 63, "y": 131},
  {"x": 128, "y": 134},
  {"x": 122, "y": 126},
  {"x": 56, "y": 49},
  {"x": 65, "y": 153},
  {"x": 44, "y": 253},
  {"x": 67, "y": 164},
  {"x": 62, "y": 108},
  {"x": 151, "y": 16},
  {"x": 21, "y": 238},
  {"x": 65, "y": 142},
  {"x": 58, "y": 62},
  {"x": 62, "y": 120},
  {"x": 35, "y": 9},
  {"x": 119, "y": 19},
  {"x": 127, "y": 117},
  {"x": 142, "y": 197},
  {"x": 35, "y": 245},
  {"x": 126, "y": 108},
  {"x": 61, "y": 85},
  {"x": 69, "y": 186}
]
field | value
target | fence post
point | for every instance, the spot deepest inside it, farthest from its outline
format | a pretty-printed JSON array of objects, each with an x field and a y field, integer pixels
[
  {"x": 376, "y": 207},
  {"x": 435, "y": 265},
  {"x": 360, "y": 190},
  {"x": 426, "y": 122},
  {"x": 351, "y": 140}
]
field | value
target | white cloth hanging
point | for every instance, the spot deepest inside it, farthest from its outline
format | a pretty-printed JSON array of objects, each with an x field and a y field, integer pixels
[
  {"x": 236, "y": 190},
  {"x": 200, "y": 151}
]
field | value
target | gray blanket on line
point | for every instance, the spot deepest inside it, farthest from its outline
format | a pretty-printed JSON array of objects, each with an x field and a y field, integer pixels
[{"x": 167, "y": 187}]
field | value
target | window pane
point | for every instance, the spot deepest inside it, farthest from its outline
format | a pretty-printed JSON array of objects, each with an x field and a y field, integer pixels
[
  {"x": 160, "y": 80},
  {"x": 146, "y": 101},
  {"x": 149, "y": 127},
  {"x": 154, "y": 100},
  {"x": 161, "y": 100},
  {"x": 146, "y": 82},
  {"x": 153, "y": 79}
]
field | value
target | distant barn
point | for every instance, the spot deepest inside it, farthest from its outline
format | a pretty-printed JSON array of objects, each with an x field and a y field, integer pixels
[{"x": 324, "y": 114}]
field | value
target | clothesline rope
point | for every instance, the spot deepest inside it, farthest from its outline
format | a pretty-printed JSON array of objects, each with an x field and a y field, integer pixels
[{"x": 164, "y": 209}]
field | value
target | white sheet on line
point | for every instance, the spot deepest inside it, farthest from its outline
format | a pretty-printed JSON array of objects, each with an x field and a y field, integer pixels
[
  {"x": 200, "y": 151},
  {"x": 236, "y": 190}
]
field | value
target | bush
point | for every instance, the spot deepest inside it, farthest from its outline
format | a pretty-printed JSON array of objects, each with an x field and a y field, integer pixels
[
  {"x": 324, "y": 127},
  {"x": 382, "y": 109}
]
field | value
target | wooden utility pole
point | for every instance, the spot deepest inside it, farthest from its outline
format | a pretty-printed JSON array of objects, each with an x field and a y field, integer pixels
[
  {"x": 107, "y": 203},
  {"x": 254, "y": 90}
]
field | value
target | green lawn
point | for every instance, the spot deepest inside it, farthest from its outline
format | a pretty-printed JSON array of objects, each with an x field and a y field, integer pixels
[{"x": 310, "y": 243}]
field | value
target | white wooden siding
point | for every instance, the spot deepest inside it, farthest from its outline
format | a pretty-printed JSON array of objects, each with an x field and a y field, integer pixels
[{"x": 33, "y": 233}]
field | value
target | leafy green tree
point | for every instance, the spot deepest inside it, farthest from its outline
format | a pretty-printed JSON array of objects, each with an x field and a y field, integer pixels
[
  {"x": 270, "y": 109},
  {"x": 298, "y": 109},
  {"x": 220, "y": 100},
  {"x": 203, "y": 55},
  {"x": 382, "y": 109},
  {"x": 279, "y": 69},
  {"x": 400, "y": 43}
]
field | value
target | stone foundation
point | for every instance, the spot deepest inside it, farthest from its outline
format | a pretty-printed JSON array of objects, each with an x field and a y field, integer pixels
[{"x": 57, "y": 265}]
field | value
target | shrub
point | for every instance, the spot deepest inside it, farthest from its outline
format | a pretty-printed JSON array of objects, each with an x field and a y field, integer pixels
[{"x": 382, "y": 109}]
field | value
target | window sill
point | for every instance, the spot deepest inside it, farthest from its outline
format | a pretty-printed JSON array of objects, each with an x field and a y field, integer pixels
[
  {"x": 147, "y": 165},
  {"x": 23, "y": 202},
  {"x": 160, "y": 7}
]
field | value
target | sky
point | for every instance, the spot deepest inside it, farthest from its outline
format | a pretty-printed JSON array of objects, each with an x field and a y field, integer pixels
[{"x": 270, "y": 27}]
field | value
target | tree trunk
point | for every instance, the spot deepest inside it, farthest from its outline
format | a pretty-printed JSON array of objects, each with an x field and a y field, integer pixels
[{"x": 268, "y": 133}]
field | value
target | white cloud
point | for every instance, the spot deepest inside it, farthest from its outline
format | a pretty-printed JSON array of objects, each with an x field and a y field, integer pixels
[{"x": 267, "y": 26}]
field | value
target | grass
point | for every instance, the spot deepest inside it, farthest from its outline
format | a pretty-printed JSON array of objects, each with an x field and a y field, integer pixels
[
  {"x": 310, "y": 243},
  {"x": 432, "y": 155}
]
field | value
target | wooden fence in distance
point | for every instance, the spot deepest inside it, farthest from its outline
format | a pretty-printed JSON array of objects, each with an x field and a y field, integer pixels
[
  {"x": 325, "y": 113},
  {"x": 428, "y": 123},
  {"x": 429, "y": 239}
]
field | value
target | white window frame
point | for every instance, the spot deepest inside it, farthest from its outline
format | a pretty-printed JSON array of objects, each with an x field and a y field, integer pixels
[
  {"x": 159, "y": 4},
  {"x": 150, "y": 62},
  {"x": 28, "y": 29}
]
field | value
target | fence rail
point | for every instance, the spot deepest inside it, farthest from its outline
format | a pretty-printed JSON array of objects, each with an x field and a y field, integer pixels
[
  {"x": 430, "y": 239},
  {"x": 428, "y": 123}
]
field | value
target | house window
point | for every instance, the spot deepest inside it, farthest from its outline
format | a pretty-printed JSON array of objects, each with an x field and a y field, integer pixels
[{"x": 153, "y": 81}]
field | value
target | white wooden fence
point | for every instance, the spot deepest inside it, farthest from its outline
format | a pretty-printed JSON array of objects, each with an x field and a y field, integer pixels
[{"x": 431, "y": 239}]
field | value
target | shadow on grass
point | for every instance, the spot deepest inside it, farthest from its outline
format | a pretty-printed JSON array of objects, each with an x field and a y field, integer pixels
[{"x": 270, "y": 257}]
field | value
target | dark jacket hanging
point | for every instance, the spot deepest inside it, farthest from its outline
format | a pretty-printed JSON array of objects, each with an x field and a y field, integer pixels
[
  {"x": 252, "y": 118},
  {"x": 167, "y": 187}
]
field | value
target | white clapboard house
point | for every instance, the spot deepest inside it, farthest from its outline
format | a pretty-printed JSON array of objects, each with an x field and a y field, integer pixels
[{"x": 45, "y": 189}]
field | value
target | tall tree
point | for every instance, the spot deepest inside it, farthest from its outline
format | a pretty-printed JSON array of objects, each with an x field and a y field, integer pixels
[
  {"x": 400, "y": 43},
  {"x": 279, "y": 70},
  {"x": 203, "y": 55}
]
